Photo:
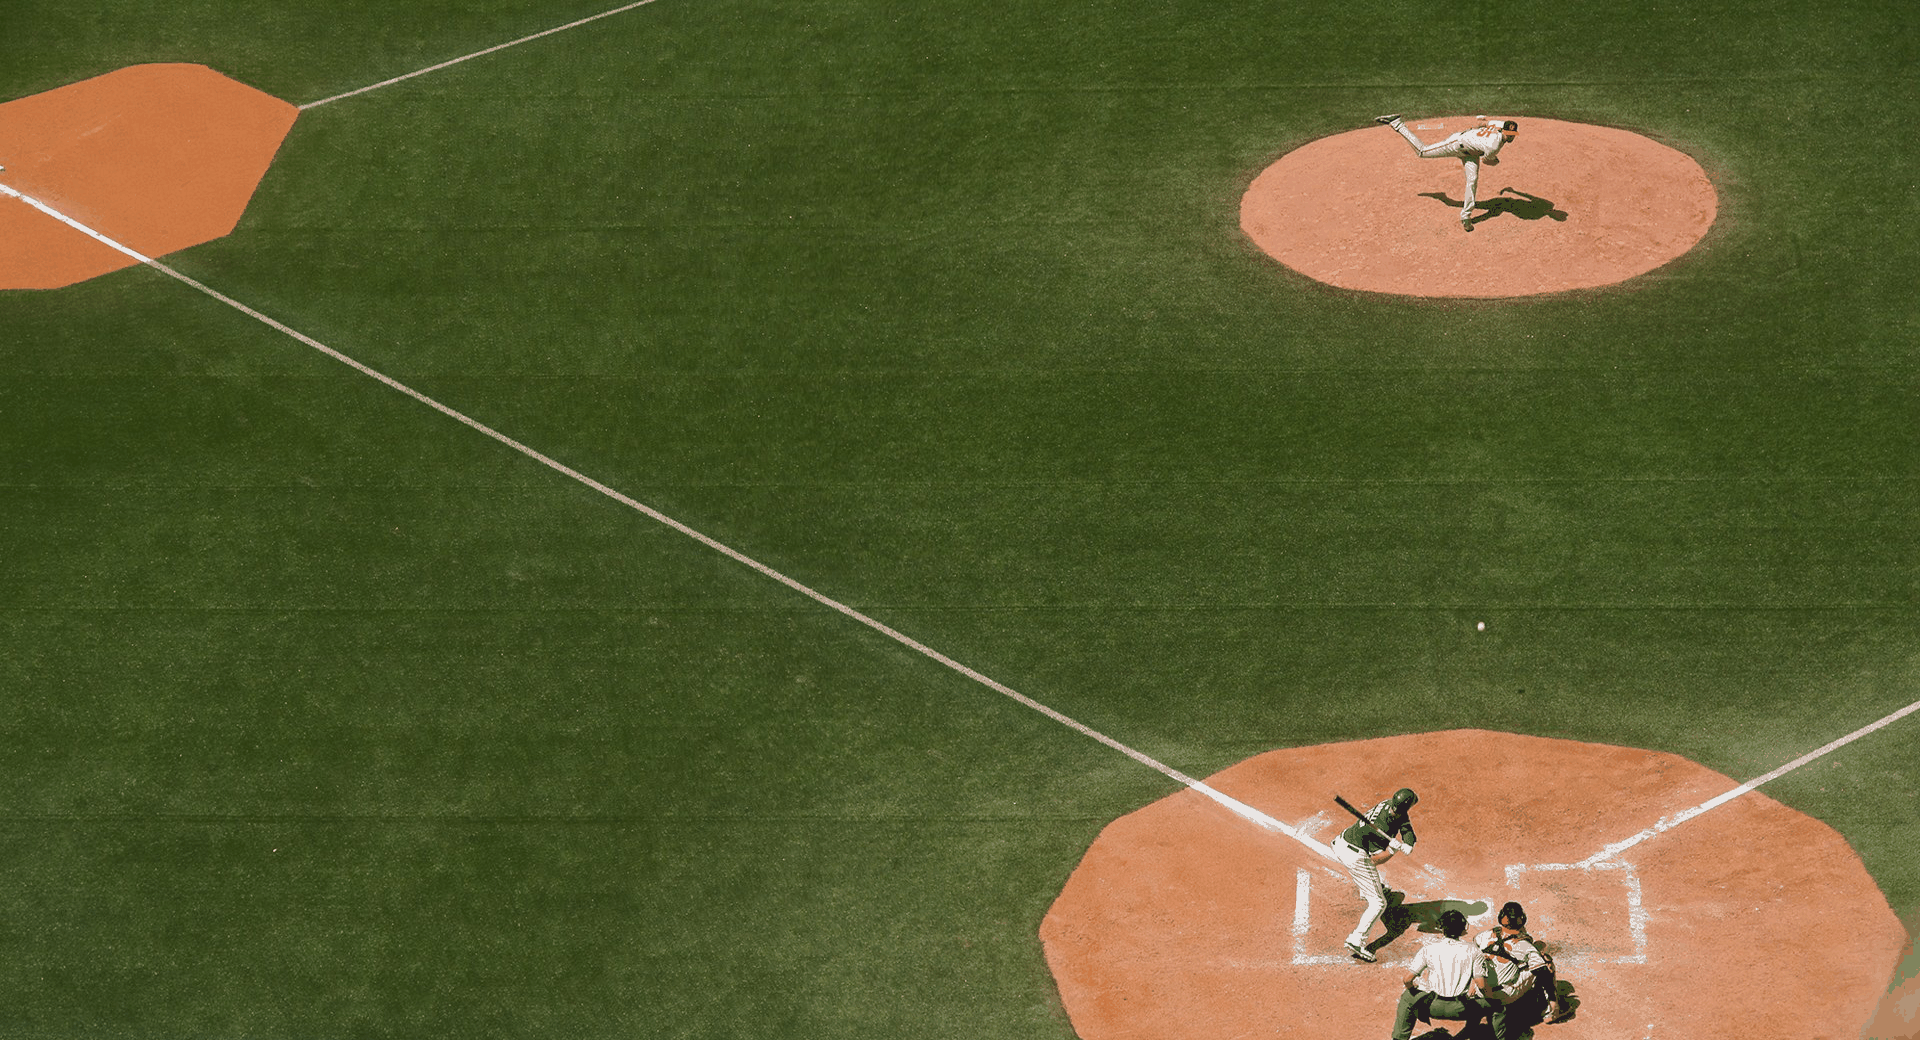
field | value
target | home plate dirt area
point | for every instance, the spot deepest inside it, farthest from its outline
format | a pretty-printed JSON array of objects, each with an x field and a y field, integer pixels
[{"x": 1186, "y": 922}]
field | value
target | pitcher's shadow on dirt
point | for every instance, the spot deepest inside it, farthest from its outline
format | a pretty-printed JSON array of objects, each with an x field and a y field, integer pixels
[{"x": 1524, "y": 205}]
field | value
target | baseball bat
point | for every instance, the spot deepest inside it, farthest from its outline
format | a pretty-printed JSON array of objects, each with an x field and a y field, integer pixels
[{"x": 1392, "y": 842}]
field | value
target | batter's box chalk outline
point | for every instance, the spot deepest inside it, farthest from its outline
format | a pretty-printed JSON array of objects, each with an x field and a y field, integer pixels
[
  {"x": 1303, "y": 920},
  {"x": 1636, "y": 909},
  {"x": 1629, "y": 880}
]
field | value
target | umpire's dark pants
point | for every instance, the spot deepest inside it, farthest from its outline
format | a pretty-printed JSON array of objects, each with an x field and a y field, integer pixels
[{"x": 1427, "y": 1005}]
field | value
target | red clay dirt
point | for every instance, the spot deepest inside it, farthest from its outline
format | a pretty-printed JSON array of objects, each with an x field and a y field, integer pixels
[
  {"x": 1185, "y": 922},
  {"x": 156, "y": 157},
  {"x": 1361, "y": 211}
]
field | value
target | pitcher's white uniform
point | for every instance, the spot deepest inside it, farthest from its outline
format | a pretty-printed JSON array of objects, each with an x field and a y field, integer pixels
[{"x": 1472, "y": 147}]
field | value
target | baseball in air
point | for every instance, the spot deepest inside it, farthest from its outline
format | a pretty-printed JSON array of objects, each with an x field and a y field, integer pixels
[{"x": 1482, "y": 626}]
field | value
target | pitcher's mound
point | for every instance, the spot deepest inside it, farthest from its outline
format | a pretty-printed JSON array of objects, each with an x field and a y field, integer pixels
[{"x": 1569, "y": 206}]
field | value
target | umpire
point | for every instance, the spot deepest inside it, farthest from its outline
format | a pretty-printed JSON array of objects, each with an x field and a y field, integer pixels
[{"x": 1446, "y": 982}]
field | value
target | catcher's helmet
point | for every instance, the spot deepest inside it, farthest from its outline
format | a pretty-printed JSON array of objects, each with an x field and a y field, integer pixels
[
  {"x": 1453, "y": 923},
  {"x": 1404, "y": 798},
  {"x": 1515, "y": 913}
]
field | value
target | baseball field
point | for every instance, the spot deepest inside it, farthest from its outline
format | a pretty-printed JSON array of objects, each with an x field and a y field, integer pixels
[{"x": 329, "y": 713}]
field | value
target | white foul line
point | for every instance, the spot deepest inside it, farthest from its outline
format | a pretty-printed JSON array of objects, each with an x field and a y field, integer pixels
[
  {"x": 1233, "y": 805},
  {"x": 1674, "y": 821},
  {"x": 477, "y": 54}
]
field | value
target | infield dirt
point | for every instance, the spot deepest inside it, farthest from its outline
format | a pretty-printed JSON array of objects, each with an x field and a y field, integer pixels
[{"x": 1186, "y": 922}]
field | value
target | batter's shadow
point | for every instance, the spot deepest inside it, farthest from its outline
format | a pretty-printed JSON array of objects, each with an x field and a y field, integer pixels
[
  {"x": 1425, "y": 916},
  {"x": 1524, "y": 205}
]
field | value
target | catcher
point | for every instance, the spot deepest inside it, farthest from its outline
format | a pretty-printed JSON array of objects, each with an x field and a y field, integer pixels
[{"x": 1520, "y": 977}]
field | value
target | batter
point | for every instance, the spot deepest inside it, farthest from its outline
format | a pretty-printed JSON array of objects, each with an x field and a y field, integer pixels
[{"x": 1363, "y": 849}]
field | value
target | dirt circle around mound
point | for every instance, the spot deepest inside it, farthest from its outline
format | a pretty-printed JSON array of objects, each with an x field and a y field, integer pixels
[
  {"x": 1569, "y": 206},
  {"x": 1187, "y": 922}
]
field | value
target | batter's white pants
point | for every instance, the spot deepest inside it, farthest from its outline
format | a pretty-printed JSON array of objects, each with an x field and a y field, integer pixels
[
  {"x": 1448, "y": 149},
  {"x": 1366, "y": 878}
]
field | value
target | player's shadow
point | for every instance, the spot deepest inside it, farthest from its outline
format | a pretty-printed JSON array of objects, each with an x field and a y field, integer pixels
[
  {"x": 1425, "y": 916},
  {"x": 1568, "y": 1000},
  {"x": 1523, "y": 205}
]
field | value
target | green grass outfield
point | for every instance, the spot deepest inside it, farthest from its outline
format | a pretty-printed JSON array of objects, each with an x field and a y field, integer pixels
[{"x": 326, "y": 717}]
